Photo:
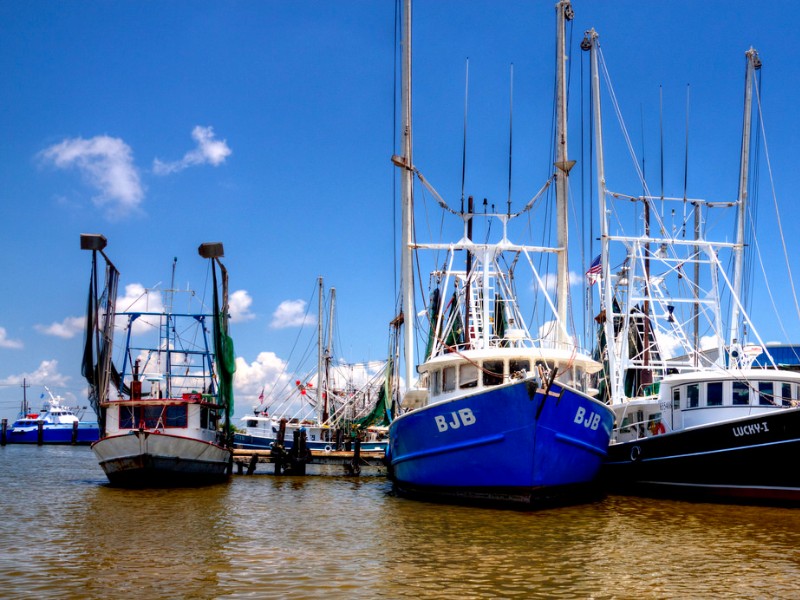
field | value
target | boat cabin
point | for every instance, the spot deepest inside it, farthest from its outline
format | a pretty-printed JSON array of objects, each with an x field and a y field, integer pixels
[
  {"x": 454, "y": 375},
  {"x": 694, "y": 399},
  {"x": 192, "y": 412}
]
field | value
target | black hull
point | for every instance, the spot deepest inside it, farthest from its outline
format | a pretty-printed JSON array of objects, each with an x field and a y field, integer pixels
[
  {"x": 148, "y": 471},
  {"x": 750, "y": 460}
]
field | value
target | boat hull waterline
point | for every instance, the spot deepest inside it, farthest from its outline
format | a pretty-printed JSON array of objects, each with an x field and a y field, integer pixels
[
  {"x": 87, "y": 433},
  {"x": 737, "y": 460},
  {"x": 146, "y": 458},
  {"x": 517, "y": 443}
]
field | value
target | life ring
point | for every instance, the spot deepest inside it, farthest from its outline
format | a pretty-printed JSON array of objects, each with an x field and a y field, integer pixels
[{"x": 328, "y": 449}]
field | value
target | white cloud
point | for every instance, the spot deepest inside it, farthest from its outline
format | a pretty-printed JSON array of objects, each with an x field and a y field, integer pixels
[
  {"x": 291, "y": 313},
  {"x": 268, "y": 372},
  {"x": 106, "y": 164},
  {"x": 67, "y": 329},
  {"x": 239, "y": 306},
  {"x": 208, "y": 151},
  {"x": 5, "y": 342},
  {"x": 137, "y": 299},
  {"x": 46, "y": 374}
]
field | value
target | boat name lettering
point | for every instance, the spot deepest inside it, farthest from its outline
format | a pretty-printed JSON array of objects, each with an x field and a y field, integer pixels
[
  {"x": 461, "y": 417},
  {"x": 752, "y": 429},
  {"x": 592, "y": 421}
]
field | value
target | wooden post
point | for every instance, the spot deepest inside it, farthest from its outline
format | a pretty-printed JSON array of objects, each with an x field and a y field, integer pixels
[
  {"x": 239, "y": 468},
  {"x": 302, "y": 455},
  {"x": 74, "y": 432},
  {"x": 3, "y": 432},
  {"x": 251, "y": 468},
  {"x": 39, "y": 432},
  {"x": 277, "y": 449},
  {"x": 355, "y": 465}
]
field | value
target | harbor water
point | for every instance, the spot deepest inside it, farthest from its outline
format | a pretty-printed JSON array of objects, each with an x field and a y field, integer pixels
[{"x": 67, "y": 534}]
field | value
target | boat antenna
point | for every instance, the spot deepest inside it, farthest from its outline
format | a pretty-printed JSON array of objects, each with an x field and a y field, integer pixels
[
  {"x": 696, "y": 272},
  {"x": 661, "y": 141},
  {"x": 510, "y": 132},
  {"x": 464, "y": 144}
]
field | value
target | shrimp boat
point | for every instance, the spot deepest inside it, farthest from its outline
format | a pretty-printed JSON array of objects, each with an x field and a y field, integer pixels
[
  {"x": 497, "y": 414},
  {"x": 699, "y": 422},
  {"x": 60, "y": 424},
  {"x": 169, "y": 424},
  {"x": 332, "y": 412}
]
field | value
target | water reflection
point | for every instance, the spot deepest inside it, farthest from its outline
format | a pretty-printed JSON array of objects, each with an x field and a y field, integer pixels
[{"x": 67, "y": 534}]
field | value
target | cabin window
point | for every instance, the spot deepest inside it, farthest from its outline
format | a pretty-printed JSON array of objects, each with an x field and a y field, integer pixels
[
  {"x": 693, "y": 395},
  {"x": 203, "y": 417},
  {"x": 133, "y": 417},
  {"x": 448, "y": 379},
  {"x": 786, "y": 394},
  {"x": 765, "y": 393},
  {"x": 714, "y": 394},
  {"x": 741, "y": 393},
  {"x": 516, "y": 368},
  {"x": 126, "y": 417},
  {"x": 251, "y": 423},
  {"x": 468, "y": 376},
  {"x": 492, "y": 372},
  {"x": 676, "y": 398},
  {"x": 176, "y": 416}
]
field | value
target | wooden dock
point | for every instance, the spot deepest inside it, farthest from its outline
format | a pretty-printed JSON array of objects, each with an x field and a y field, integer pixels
[{"x": 288, "y": 463}]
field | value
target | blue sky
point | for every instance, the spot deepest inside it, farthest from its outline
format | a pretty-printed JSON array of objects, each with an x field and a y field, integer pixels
[{"x": 269, "y": 126}]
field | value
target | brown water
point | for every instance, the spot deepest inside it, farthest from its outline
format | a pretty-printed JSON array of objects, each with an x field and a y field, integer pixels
[{"x": 66, "y": 534}]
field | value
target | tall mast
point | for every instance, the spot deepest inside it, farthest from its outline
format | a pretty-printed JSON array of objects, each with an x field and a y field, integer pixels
[
  {"x": 564, "y": 13},
  {"x": 590, "y": 42},
  {"x": 329, "y": 356},
  {"x": 753, "y": 63},
  {"x": 407, "y": 203},
  {"x": 320, "y": 363}
]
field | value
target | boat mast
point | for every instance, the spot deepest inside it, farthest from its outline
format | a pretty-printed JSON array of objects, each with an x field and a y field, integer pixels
[
  {"x": 407, "y": 202},
  {"x": 753, "y": 63},
  {"x": 564, "y": 13},
  {"x": 590, "y": 42},
  {"x": 320, "y": 394},
  {"x": 328, "y": 357}
]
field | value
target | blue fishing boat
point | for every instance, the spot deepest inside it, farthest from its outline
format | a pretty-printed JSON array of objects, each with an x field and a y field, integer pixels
[
  {"x": 497, "y": 414},
  {"x": 59, "y": 425}
]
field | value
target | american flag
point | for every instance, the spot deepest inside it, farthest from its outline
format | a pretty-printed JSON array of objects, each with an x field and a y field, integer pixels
[{"x": 593, "y": 274}]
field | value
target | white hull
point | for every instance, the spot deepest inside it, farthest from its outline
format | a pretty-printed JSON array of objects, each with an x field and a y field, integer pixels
[{"x": 147, "y": 458}]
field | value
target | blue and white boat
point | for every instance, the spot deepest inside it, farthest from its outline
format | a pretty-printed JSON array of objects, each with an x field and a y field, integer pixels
[
  {"x": 60, "y": 425},
  {"x": 497, "y": 414},
  {"x": 261, "y": 433}
]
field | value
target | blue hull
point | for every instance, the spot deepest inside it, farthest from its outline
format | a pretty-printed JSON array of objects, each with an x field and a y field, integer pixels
[
  {"x": 509, "y": 443},
  {"x": 88, "y": 433}
]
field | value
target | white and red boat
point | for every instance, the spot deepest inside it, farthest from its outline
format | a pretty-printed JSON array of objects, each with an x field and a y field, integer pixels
[{"x": 170, "y": 422}]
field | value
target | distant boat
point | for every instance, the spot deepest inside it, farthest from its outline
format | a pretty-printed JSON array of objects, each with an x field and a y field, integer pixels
[
  {"x": 60, "y": 425},
  {"x": 497, "y": 415},
  {"x": 170, "y": 424},
  {"x": 703, "y": 423},
  {"x": 326, "y": 409}
]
